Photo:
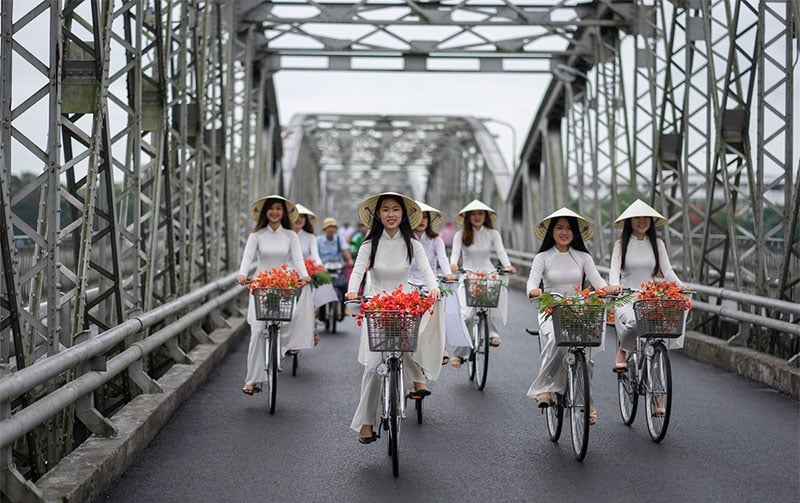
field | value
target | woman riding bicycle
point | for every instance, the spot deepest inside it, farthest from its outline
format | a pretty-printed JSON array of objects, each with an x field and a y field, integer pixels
[
  {"x": 271, "y": 244},
  {"x": 636, "y": 261},
  {"x": 304, "y": 227},
  {"x": 437, "y": 257},
  {"x": 473, "y": 245},
  {"x": 387, "y": 254},
  {"x": 560, "y": 265}
]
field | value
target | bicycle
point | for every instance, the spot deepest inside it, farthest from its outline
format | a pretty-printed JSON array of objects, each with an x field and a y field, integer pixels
[
  {"x": 393, "y": 334},
  {"x": 274, "y": 305},
  {"x": 482, "y": 293},
  {"x": 575, "y": 326},
  {"x": 649, "y": 372},
  {"x": 333, "y": 312}
]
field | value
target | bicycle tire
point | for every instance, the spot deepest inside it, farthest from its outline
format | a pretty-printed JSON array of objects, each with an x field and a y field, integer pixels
[
  {"x": 554, "y": 415},
  {"x": 658, "y": 384},
  {"x": 418, "y": 406},
  {"x": 294, "y": 364},
  {"x": 272, "y": 367},
  {"x": 628, "y": 392},
  {"x": 579, "y": 408},
  {"x": 482, "y": 353},
  {"x": 394, "y": 412},
  {"x": 476, "y": 337}
]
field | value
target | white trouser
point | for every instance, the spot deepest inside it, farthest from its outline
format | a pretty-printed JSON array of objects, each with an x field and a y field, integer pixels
[
  {"x": 368, "y": 411},
  {"x": 625, "y": 323},
  {"x": 552, "y": 376}
]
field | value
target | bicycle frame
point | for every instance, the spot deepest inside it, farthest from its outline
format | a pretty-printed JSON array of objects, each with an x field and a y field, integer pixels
[{"x": 392, "y": 360}]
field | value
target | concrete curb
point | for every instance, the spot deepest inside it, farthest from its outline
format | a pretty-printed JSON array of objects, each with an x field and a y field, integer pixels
[
  {"x": 87, "y": 473},
  {"x": 763, "y": 368}
]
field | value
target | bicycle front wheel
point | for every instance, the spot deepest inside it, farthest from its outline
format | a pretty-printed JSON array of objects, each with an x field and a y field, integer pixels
[
  {"x": 482, "y": 350},
  {"x": 272, "y": 367},
  {"x": 394, "y": 414},
  {"x": 555, "y": 417},
  {"x": 628, "y": 392},
  {"x": 579, "y": 408},
  {"x": 331, "y": 317},
  {"x": 658, "y": 392}
]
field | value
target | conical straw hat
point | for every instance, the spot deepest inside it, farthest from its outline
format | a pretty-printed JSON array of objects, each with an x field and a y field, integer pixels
[
  {"x": 436, "y": 216},
  {"x": 587, "y": 231},
  {"x": 640, "y": 209},
  {"x": 476, "y": 205},
  {"x": 255, "y": 208},
  {"x": 366, "y": 210},
  {"x": 302, "y": 210}
]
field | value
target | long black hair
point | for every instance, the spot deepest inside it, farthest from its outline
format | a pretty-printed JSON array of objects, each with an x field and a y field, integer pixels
[
  {"x": 376, "y": 230},
  {"x": 428, "y": 229},
  {"x": 627, "y": 232},
  {"x": 262, "y": 215},
  {"x": 577, "y": 239},
  {"x": 467, "y": 231}
]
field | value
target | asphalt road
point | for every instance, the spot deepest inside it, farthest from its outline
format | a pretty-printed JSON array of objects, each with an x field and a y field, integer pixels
[{"x": 729, "y": 439}]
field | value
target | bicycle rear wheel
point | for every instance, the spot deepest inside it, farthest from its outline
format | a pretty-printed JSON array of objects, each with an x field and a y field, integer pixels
[
  {"x": 394, "y": 414},
  {"x": 579, "y": 408},
  {"x": 331, "y": 317},
  {"x": 658, "y": 392},
  {"x": 482, "y": 350},
  {"x": 294, "y": 364},
  {"x": 476, "y": 337},
  {"x": 628, "y": 392},
  {"x": 272, "y": 367},
  {"x": 418, "y": 406},
  {"x": 555, "y": 417}
]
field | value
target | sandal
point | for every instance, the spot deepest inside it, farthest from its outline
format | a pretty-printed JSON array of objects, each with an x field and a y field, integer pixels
[
  {"x": 445, "y": 358},
  {"x": 249, "y": 389},
  {"x": 494, "y": 341},
  {"x": 456, "y": 362},
  {"x": 543, "y": 400},
  {"x": 592, "y": 415},
  {"x": 292, "y": 352},
  {"x": 316, "y": 337}
]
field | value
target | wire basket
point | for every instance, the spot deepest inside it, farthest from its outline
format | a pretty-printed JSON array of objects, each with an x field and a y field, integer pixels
[
  {"x": 391, "y": 331},
  {"x": 274, "y": 304},
  {"x": 579, "y": 324},
  {"x": 664, "y": 318},
  {"x": 482, "y": 292}
]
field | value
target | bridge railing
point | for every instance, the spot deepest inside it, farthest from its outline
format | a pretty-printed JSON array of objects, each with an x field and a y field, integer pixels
[
  {"x": 744, "y": 309},
  {"x": 91, "y": 367}
]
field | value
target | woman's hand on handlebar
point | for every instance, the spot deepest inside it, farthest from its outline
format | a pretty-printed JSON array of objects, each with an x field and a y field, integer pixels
[
  {"x": 241, "y": 279},
  {"x": 511, "y": 269},
  {"x": 534, "y": 292},
  {"x": 612, "y": 289},
  {"x": 435, "y": 294},
  {"x": 351, "y": 295}
]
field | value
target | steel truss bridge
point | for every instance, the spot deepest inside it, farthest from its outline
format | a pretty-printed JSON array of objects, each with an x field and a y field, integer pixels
[{"x": 133, "y": 140}]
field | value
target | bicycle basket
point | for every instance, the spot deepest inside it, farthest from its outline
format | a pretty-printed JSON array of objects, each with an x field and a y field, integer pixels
[
  {"x": 391, "y": 331},
  {"x": 274, "y": 304},
  {"x": 660, "y": 317},
  {"x": 579, "y": 324},
  {"x": 482, "y": 292}
]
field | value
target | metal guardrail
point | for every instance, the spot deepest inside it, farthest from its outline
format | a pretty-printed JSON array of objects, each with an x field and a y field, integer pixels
[{"x": 87, "y": 360}]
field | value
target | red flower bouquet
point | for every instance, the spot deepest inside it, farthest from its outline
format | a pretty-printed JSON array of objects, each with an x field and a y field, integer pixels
[
  {"x": 660, "y": 309},
  {"x": 277, "y": 277},
  {"x": 274, "y": 291},
  {"x": 482, "y": 289},
  {"x": 319, "y": 276},
  {"x": 393, "y": 319}
]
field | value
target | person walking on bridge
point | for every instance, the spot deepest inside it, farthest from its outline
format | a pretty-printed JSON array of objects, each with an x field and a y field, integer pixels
[
  {"x": 388, "y": 253},
  {"x": 473, "y": 246},
  {"x": 562, "y": 263},
  {"x": 637, "y": 257},
  {"x": 271, "y": 244}
]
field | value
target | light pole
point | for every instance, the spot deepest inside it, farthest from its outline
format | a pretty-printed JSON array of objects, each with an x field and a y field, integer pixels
[{"x": 513, "y": 137}]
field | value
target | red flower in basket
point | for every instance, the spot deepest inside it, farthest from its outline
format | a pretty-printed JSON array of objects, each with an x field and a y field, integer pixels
[
  {"x": 411, "y": 303},
  {"x": 277, "y": 277},
  {"x": 663, "y": 290}
]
